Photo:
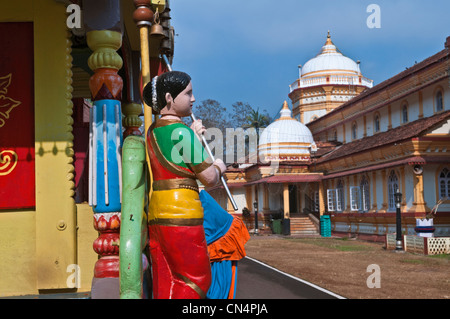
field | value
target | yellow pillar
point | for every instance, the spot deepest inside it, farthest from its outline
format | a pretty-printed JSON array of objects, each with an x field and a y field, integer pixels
[
  {"x": 143, "y": 16},
  {"x": 286, "y": 200},
  {"x": 384, "y": 206},
  {"x": 286, "y": 221},
  {"x": 321, "y": 198},
  {"x": 419, "y": 204},
  {"x": 374, "y": 191}
]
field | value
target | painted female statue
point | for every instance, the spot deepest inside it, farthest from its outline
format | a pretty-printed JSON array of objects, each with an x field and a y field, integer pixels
[{"x": 179, "y": 255}]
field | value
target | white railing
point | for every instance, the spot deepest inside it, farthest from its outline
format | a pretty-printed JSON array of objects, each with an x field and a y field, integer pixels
[
  {"x": 420, "y": 245},
  {"x": 332, "y": 79}
]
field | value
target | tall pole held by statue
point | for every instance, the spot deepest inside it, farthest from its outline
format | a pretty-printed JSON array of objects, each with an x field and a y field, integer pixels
[{"x": 222, "y": 179}]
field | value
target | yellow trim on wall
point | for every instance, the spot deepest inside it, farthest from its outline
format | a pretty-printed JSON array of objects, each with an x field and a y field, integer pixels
[
  {"x": 54, "y": 201},
  {"x": 45, "y": 241}
]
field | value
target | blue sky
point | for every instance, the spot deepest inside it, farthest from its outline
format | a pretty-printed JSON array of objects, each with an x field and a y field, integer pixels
[{"x": 250, "y": 50}]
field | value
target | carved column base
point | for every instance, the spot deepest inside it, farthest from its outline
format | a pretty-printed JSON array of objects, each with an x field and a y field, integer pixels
[
  {"x": 107, "y": 245},
  {"x": 107, "y": 267}
]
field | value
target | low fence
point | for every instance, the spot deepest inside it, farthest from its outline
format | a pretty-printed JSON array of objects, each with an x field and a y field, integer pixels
[{"x": 420, "y": 245}]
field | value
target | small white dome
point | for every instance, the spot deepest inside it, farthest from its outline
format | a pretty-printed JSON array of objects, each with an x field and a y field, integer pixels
[{"x": 285, "y": 139}]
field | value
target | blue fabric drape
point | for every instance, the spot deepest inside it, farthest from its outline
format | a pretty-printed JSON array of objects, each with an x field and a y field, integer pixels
[{"x": 217, "y": 222}]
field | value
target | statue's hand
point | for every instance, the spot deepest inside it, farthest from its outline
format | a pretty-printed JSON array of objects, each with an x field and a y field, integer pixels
[
  {"x": 221, "y": 165},
  {"x": 198, "y": 127}
]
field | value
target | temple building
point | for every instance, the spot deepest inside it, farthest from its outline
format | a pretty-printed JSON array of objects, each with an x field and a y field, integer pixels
[
  {"x": 325, "y": 82},
  {"x": 71, "y": 76},
  {"x": 350, "y": 147}
]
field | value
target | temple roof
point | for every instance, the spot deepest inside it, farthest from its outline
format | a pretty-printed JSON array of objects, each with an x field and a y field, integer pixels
[{"x": 395, "y": 135}]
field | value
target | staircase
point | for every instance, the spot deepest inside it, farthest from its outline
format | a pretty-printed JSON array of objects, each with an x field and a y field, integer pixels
[{"x": 302, "y": 225}]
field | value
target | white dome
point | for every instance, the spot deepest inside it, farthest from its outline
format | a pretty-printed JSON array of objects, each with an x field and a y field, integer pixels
[
  {"x": 285, "y": 139},
  {"x": 330, "y": 61}
]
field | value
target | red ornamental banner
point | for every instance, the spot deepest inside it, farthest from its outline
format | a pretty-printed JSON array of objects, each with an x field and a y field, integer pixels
[{"x": 17, "y": 154}]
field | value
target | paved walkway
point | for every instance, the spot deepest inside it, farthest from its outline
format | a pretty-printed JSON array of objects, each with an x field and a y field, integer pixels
[
  {"x": 255, "y": 281},
  {"x": 259, "y": 281}
]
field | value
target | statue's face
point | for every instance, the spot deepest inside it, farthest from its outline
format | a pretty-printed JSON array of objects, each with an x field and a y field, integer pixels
[{"x": 182, "y": 105}]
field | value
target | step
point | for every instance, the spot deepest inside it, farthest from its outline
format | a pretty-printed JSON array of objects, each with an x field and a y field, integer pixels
[
  {"x": 310, "y": 233},
  {"x": 302, "y": 225},
  {"x": 304, "y": 230}
]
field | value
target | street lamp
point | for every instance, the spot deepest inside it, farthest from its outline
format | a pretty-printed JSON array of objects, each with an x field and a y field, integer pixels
[
  {"x": 255, "y": 206},
  {"x": 398, "y": 201}
]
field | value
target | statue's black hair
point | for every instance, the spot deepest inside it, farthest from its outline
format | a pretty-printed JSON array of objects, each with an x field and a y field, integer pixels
[{"x": 173, "y": 82}]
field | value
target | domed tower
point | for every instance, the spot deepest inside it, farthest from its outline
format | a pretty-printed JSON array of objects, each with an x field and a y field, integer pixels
[
  {"x": 325, "y": 82},
  {"x": 286, "y": 139}
]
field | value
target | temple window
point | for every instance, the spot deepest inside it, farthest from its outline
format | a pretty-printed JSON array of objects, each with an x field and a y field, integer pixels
[
  {"x": 355, "y": 198},
  {"x": 354, "y": 131},
  {"x": 444, "y": 184},
  {"x": 405, "y": 113},
  {"x": 335, "y": 198},
  {"x": 439, "y": 101},
  {"x": 360, "y": 196},
  {"x": 392, "y": 189},
  {"x": 365, "y": 194},
  {"x": 376, "y": 123},
  {"x": 340, "y": 196},
  {"x": 331, "y": 200}
]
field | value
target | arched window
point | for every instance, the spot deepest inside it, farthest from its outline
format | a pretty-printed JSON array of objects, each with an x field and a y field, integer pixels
[
  {"x": 365, "y": 194},
  {"x": 354, "y": 131},
  {"x": 376, "y": 123},
  {"x": 439, "y": 101},
  {"x": 340, "y": 196},
  {"x": 393, "y": 186},
  {"x": 405, "y": 113},
  {"x": 444, "y": 184}
]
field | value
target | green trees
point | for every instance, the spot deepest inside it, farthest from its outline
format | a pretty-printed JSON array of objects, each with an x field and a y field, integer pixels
[
  {"x": 213, "y": 114},
  {"x": 233, "y": 133}
]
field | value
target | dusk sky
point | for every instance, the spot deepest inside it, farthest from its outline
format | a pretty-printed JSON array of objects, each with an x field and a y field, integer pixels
[{"x": 250, "y": 50}]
